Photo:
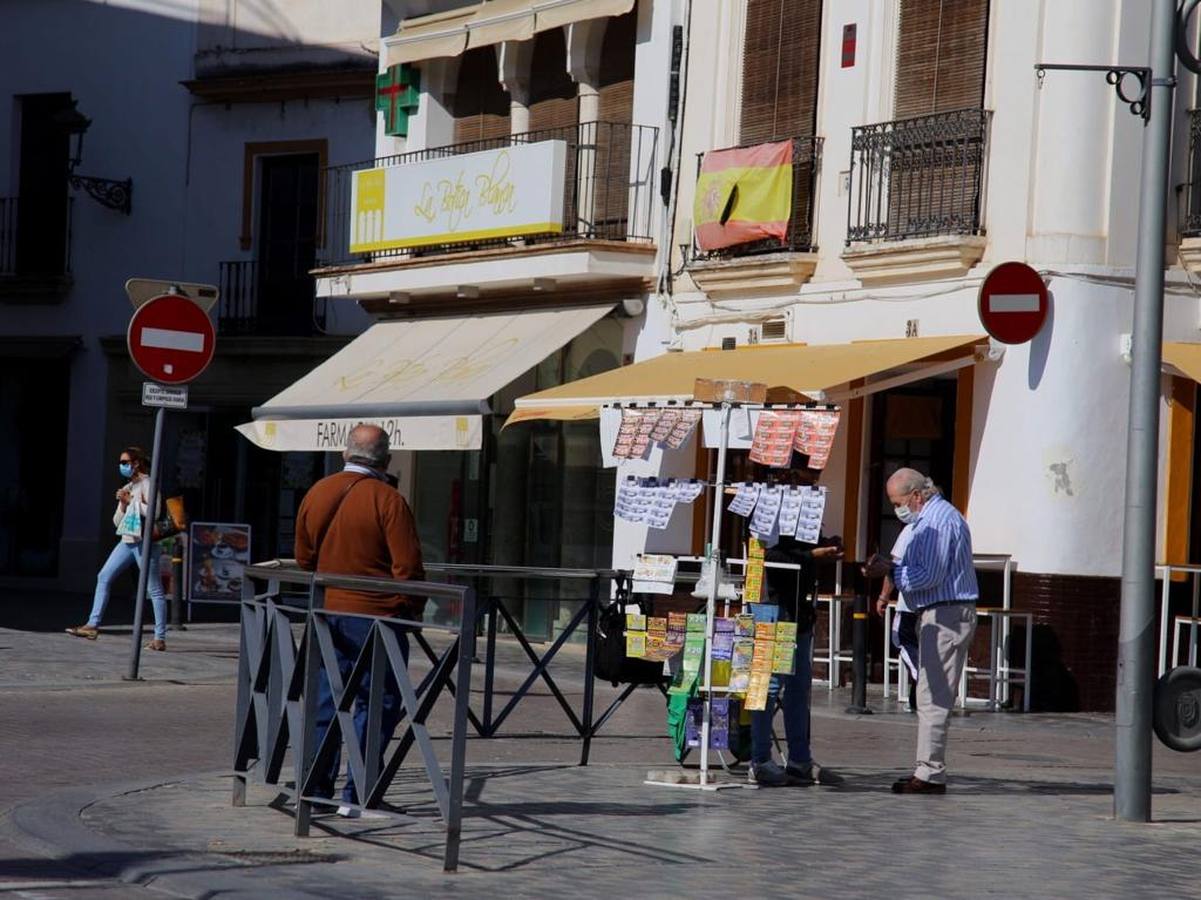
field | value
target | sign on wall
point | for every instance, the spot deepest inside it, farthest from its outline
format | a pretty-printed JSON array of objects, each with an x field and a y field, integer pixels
[{"x": 507, "y": 192}]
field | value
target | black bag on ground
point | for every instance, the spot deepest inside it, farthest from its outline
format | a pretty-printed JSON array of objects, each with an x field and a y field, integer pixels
[{"x": 611, "y": 663}]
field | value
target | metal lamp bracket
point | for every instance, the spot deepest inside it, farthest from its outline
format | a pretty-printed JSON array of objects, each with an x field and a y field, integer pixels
[
  {"x": 112, "y": 194},
  {"x": 1140, "y": 103}
]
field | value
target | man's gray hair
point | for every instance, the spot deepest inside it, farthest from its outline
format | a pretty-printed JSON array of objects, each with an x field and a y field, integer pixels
[
  {"x": 367, "y": 445},
  {"x": 909, "y": 480}
]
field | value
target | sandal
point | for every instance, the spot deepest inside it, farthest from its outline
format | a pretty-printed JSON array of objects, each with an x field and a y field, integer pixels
[
  {"x": 156, "y": 644},
  {"x": 84, "y": 631}
]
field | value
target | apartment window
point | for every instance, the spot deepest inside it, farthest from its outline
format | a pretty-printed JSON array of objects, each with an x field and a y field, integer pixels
[
  {"x": 34, "y": 223},
  {"x": 780, "y": 60},
  {"x": 941, "y": 48},
  {"x": 481, "y": 106}
]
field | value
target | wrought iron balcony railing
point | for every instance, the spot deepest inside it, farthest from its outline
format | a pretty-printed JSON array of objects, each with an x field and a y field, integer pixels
[
  {"x": 918, "y": 177},
  {"x": 806, "y": 163},
  {"x": 45, "y": 249},
  {"x": 609, "y": 188},
  {"x": 1190, "y": 191},
  {"x": 258, "y": 302}
]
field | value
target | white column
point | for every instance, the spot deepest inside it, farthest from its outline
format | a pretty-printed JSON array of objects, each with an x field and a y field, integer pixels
[
  {"x": 1075, "y": 114},
  {"x": 513, "y": 61}
]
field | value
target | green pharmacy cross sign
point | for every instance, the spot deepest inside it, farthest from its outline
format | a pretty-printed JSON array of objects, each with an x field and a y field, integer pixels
[{"x": 396, "y": 93}]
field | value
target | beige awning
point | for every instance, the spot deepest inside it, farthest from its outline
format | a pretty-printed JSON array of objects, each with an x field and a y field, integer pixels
[
  {"x": 428, "y": 37},
  {"x": 501, "y": 20},
  {"x": 800, "y": 368},
  {"x": 425, "y": 381},
  {"x": 556, "y": 13}
]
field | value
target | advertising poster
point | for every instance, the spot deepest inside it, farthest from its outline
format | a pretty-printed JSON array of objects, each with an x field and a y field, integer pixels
[{"x": 219, "y": 552}]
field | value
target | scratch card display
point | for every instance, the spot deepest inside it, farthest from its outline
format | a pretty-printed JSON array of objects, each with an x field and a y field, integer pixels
[
  {"x": 809, "y": 518},
  {"x": 815, "y": 435}
]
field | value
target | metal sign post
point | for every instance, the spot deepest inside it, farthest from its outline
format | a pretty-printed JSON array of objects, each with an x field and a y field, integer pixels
[
  {"x": 148, "y": 520},
  {"x": 171, "y": 340}
]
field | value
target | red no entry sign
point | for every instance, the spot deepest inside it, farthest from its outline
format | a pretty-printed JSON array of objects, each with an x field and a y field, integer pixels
[
  {"x": 171, "y": 339},
  {"x": 1013, "y": 303}
]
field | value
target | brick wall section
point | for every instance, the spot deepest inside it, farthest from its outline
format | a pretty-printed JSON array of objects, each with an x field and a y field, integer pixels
[{"x": 1075, "y": 639}]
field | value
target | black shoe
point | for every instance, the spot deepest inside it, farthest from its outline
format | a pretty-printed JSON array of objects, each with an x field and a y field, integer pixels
[{"x": 915, "y": 785}]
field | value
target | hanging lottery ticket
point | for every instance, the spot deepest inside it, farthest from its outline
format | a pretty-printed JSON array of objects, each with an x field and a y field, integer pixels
[
  {"x": 744, "y": 501},
  {"x": 627, "y": 432},
  {"x": 687, "y": 490},
  {"x": 665, "y": 425},
  {"x": 813, "y": 508},
  {"x": 790, "y": 510},
  {"x": 772, "y": 443},
  {"x": 763, "y": 522},
  {"x": 661, "y": 503},
  {"x": 629, "y": 504},
  {"x": 647, "y": 421},
  {"x": 815, "y": 435},
  {"x": 683, "y": 428}
]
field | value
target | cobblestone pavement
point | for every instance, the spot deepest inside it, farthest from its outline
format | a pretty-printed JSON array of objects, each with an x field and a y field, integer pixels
[{"x": 114, "y": 790}]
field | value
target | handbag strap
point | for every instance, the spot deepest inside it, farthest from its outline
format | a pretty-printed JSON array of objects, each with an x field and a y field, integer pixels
[{"x": 329, "y": 523}]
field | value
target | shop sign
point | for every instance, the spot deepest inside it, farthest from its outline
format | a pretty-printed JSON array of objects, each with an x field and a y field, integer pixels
[
  {"x": 218, "y": 552},
  {"x": 508, "y": 192}
]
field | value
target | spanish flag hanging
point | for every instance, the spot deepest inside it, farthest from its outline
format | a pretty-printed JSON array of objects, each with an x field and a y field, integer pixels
[{"x": 743, "y": 194}]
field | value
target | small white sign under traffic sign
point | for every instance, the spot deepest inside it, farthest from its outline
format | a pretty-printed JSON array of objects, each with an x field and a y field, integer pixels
[{"x": 168, "y": 396}]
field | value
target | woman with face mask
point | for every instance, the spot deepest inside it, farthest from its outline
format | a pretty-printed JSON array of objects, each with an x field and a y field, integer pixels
[{"x": 130, "y": 517}]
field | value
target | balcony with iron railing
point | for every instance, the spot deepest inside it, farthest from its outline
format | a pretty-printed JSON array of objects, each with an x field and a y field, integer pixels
[
  {"x": 916, "y": 199},
  {"x": 35, "y": 250},
  {"x": 607, "y": 189},
  {"x": 1190, "y": 192},
  {"x": 772, "y": 263},
  {"x": 258, "y": 302}
]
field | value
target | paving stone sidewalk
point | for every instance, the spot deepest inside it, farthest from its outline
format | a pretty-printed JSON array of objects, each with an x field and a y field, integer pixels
[{"x": 1028, "y": 813}]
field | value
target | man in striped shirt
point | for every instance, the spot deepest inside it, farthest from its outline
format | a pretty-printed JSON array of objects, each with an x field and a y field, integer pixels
[{"x": 938, "y": 579}]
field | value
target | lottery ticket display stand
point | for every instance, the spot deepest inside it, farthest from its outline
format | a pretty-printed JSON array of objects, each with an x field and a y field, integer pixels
[{"x": 718, "y": 415}]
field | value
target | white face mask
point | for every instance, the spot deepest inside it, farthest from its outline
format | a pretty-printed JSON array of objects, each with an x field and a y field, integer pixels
[{"x": 904, "y": 514}]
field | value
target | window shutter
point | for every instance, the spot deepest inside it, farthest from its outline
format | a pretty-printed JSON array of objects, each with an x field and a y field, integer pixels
[
  {"x": 611, "y": 192},
  {"x": 940, "y": 56},
  {"x": 780, "y": 60},
  {"x": 481, "y": 106},
  {"x": 553, "y": 102}
]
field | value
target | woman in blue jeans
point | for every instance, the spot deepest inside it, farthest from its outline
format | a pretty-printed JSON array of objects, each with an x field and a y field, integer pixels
[{"x": 129, "y": 518}]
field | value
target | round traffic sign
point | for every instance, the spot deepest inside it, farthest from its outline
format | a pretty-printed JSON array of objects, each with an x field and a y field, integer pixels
[
  {"x": 171, "y": 339},
  {"x": 1013, "y": 303}
]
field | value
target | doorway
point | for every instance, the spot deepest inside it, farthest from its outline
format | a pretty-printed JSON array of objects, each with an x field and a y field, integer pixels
[{"x": 288, "y": 202}]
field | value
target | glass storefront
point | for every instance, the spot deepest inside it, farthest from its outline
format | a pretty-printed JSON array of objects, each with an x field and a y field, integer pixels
[{"x": 534, "y": 495}]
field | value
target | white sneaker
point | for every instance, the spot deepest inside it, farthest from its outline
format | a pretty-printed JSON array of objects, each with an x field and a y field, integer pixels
[{"x": 353, "y": 812}]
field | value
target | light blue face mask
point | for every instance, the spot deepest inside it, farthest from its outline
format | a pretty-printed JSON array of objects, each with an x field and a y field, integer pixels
[
  {"x": 126, "y": 470},
  {"x": 904, "y": 514}
]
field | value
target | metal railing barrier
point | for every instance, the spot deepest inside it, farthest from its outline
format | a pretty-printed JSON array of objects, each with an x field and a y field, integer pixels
[{"x": 278, "y": 683}]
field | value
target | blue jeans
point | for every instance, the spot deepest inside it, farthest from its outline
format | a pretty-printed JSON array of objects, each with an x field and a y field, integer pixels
[
  {"x": 349, "y": 633},
  {"x": 123, "y": 556},
  {"x": 791, "y": 694}
]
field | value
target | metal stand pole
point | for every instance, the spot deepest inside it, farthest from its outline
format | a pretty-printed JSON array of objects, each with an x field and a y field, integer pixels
[
  {"x": 859, "y": 657},
  {"x": 1136, "y": 641},
  {"x": 147, "y": 542},
  {"x": 710, "y": 606}
]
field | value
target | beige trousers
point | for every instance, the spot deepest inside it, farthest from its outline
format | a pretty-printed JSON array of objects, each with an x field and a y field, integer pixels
[{"x": 944, "y": 635}]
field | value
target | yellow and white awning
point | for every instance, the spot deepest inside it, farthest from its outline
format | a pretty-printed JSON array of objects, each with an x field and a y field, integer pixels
[
  {"x": 452, "y": 32},
  {"x": 425, "y": 381},
  {"x": 809, "y": 369}
]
